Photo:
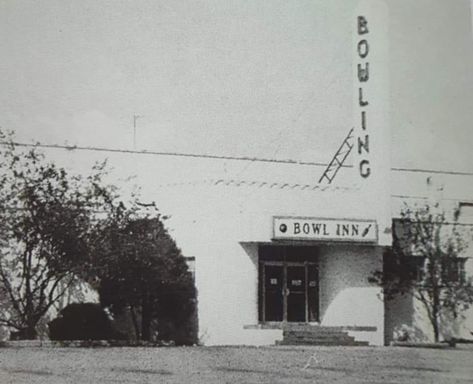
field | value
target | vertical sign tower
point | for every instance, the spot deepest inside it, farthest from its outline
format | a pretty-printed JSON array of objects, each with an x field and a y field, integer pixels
[{"x": 371, "y": 109}]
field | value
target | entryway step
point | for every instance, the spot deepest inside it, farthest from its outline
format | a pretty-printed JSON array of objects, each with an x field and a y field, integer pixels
[
  {"x": 338, "y": 339},
  {"x": 300, "y": 334},
  {"x": 303, "y": 327},
  {"x": 324, "y": 343},
  {"x": 311, "y": 333}
]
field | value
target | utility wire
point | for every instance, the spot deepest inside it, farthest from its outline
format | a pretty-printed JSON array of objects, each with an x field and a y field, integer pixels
[
  {"x": 222, "y": 157},
  {"x": 456, "y": 173},
  {"x": 177, "y": 154}
]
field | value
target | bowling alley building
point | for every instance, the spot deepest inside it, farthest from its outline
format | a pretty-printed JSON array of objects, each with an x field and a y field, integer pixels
[{"x": 279, "y": 245}]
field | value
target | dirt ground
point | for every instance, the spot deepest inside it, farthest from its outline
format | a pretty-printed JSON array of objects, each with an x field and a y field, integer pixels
[{"x": 236, "y": 365}]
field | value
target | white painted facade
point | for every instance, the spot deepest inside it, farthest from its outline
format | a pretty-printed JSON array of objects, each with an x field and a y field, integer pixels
[
  {"x": 229, "y": 225},
  {"x": 224, "y": 221}
]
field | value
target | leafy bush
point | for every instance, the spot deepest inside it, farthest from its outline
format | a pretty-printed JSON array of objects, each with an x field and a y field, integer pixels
[{"x": 84, "y": 321}]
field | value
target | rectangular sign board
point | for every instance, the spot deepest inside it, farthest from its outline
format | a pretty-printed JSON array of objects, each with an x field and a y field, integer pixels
[{"x": 308, "y": 228}]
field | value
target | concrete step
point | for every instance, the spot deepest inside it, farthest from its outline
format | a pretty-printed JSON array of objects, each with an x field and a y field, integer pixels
[
  {"x": 321, "y": 334},
  {"x": 322, "y": 339},
  {"x": 310, "y": 333},
  {"x": 323, "y": 343},
  {"x": 308, "y": 327},
  {"x": 316, "y": 341},
  {"x": 299, "y": 334}
]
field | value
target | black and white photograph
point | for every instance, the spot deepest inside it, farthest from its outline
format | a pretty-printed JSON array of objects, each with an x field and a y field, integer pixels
[{"x": 241, "y": 191}]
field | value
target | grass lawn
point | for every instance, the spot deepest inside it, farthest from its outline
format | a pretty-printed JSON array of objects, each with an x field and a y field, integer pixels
[{"x": 236, "y": 365}]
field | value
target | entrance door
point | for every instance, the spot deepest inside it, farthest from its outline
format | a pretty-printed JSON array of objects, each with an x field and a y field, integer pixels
[
  {"x": 296, "y": 293},
  {"x": 313, "y": 292},
  {"x": 290, "y": 292},
  {"x": 273, "y": 293}
]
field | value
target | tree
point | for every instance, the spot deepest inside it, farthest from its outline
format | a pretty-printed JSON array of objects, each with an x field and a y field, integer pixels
[
  {"x": 58, "y": 231},
  {"x": 426, "y": 262},
  {"x": 142, "y": 271},
  {"x": 46, "y": 218}
]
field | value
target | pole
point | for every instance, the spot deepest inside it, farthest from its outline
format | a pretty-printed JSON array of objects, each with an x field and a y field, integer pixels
[{"x": 135, "y": 118}]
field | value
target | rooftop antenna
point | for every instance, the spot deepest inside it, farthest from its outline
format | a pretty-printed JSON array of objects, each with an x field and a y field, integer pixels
[
  {"x": 337, "y": 161},
  {"x": 135, "y": 118}
]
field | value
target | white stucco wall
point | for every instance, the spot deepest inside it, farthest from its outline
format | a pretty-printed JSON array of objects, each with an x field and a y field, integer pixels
[
  {"x": 346, "y": 296},
  {"x": 228, "y": 224}
]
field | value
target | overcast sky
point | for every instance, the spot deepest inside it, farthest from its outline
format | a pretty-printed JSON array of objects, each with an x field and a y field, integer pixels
[{"x": 243, "y": 77}]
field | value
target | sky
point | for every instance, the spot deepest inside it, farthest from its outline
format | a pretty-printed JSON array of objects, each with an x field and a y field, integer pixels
[{"x": 239, "y": 78}]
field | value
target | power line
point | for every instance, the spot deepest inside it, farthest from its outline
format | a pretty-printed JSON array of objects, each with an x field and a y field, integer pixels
[
  {"x": 223, "y": 157},
  {"x": 456, "y": 173},
  {"x": 424, "y": 197},
  {"x": 176, "y": 154}
]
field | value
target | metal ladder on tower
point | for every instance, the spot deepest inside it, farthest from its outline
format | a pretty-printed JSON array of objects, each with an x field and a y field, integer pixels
[{"x": 337, "y": 161}]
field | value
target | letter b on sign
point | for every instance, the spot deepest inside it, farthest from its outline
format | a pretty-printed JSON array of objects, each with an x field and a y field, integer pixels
[{"x": 362, "y": 25}]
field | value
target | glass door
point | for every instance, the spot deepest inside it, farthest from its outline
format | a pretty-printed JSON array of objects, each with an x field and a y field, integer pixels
[
  {"x": 289, "y": 292},
  {"x": 296, "y": 293},
  {"x": 273, "y": 293}
]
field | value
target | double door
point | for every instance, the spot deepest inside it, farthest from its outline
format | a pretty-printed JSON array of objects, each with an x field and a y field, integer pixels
[{"x": 290, "y": 292}]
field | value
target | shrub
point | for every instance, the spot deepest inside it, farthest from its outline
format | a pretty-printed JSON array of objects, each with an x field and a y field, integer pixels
[{"x": 82, "y": 321}]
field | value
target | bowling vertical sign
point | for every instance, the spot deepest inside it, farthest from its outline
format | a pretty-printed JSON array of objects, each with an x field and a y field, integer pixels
[{"x": 371, "y": 104}]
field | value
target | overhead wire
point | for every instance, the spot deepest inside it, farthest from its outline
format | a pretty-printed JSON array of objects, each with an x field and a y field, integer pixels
[
  {"x": 222, "y": 157},
  {"x": 164, "y": 153}
]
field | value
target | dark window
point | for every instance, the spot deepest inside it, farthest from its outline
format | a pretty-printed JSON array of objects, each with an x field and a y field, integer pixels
[
  {"x": 415, "y": 268},
  {"x": 453, "y": 269}
]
